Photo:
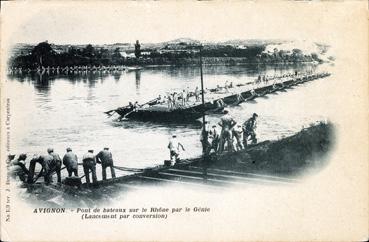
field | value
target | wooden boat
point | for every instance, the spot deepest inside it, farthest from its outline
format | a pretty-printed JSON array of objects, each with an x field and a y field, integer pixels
[
  {"x": 164, "y": 114},
  {"x": 157, "y": 112}
]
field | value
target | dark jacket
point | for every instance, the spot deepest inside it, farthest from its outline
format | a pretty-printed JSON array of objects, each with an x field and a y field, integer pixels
[{"x": 105, "y": 158}]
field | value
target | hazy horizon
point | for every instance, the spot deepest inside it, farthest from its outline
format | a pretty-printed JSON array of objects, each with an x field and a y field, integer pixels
[{"x": 79, "y": 23}]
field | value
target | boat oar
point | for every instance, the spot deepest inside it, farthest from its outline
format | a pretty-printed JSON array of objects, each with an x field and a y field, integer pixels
[{"x": 110, "y": 111}]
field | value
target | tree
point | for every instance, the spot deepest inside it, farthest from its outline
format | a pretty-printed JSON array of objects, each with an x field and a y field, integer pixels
[
  {"x": 137, "y": 49},
  {"x": 89, "y": 51},
  {"x": 42, "y": 51},
  {"x": 117, "y": 57}
]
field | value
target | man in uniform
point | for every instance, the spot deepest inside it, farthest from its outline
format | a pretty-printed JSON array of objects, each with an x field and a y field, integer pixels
[
  {"x": 249, "y": 130},
  {"x": 48, "y": 164},
  {"x": 54, "y": 164},
  {"x": 227, "y": 123},
  {"x": 204, "y": 139},
  {"x": 215, "y": 138},
  {"x": 70, "y": 161},
  {"x": 105, "y": 158},
  {"x": 173, "y": 147},
  {"x": 237, "y": 133},
  {"x": 89, "y": 165},
  {"x": 197, "y": 94},
  {"x": 18, "y": 167}
]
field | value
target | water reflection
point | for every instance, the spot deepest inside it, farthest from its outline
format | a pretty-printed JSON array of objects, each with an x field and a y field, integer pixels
[
  {"x": 42, "y": 81},
  {"x": 138, "y": 81}
]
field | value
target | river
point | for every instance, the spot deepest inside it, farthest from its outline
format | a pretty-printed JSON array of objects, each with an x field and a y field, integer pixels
[{"x": 68, "y": 110}]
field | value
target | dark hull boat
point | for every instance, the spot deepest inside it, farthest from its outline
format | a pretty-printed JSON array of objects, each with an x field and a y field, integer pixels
[
  {"x": 175, "y": 116},
  {"x": 154, "y": 111}
]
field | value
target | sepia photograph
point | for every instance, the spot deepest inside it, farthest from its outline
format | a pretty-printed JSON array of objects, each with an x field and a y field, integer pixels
[{"x": 185, "y": 121}]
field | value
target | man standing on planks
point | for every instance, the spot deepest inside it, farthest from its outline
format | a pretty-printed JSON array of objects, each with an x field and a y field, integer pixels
[
  {"x": 105, "y": 158},
  {"x": 89, "y": 165},
  {"x": 70, "y": 161}
]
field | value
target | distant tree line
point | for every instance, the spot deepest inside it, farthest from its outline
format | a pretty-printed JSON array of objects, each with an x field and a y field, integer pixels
[{"x": 44, "y": 55}]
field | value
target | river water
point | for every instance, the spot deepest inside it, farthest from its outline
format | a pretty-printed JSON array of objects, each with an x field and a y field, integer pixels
[{"x": 68, "y": 110}]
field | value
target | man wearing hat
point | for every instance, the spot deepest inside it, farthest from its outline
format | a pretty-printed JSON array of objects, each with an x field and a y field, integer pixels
[
  {"x": 18, "y": 167},
  {"x": 248, "y": 128},
  {"x": 54, "y": 165},
  {"x": 105, "y": 158},
  {"x": 89, "y": 165},
  {"x": 48, "y": 167},
  {"x": 70, "y": 161}
]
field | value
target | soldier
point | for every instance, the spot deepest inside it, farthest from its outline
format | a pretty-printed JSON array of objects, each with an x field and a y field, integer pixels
[
  {"x": 48, "y": 164},
  {"x": 183, "y": 96},
  {"x": 249, "y": 130},
  {"x": 170, "y": 103},
  {"x": 237, "y": 133},
  {"x": 197, "y": 94},
  {"x": 18, "y": 167},
  {"x": 89, "y": 165},
  {"x": 227, "y": 123},
  {"x": 105, "y": 158},
  {"x": 215, "y": 138},
  {"x": 54, "y": 164},
  {"x": 204, "y": 138},
  {"x": 70, "y": 161},
  {"x": 173, "y": 147}
]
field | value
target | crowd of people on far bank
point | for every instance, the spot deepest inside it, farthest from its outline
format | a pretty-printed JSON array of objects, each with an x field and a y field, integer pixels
[
  {"x": 51, "y": 163},
  {"x": 232, "y": 137}
]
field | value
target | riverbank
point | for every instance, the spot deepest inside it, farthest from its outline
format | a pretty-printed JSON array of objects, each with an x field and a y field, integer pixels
[{"x": 290, "y": 156}]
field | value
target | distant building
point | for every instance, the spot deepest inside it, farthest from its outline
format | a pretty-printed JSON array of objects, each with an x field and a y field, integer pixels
[{"x": 126, "y": 55}]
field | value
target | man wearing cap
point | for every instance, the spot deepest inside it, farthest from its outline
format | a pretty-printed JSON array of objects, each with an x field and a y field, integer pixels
[
  {"x": 248, "y": 128},
  {"x": 54, "y": 164},
  {"x": 227, "y": 123},
  {"x": 89, "y": 165},
  {"x": 105, "y": 158},
  {"x": 70, "y": 161},
  {"x": 173, "y": 147},
  {"x": 18, "y": 167},
  {"x": 45, "y": 161}
]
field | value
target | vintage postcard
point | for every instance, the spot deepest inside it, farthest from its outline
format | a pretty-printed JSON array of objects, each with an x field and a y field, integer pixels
[{"x": 184, "y": 121}]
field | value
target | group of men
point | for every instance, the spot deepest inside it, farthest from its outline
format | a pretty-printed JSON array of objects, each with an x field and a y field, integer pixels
[
  {"x": 177, "y": 100},
  {"x": 52, "y": 163},
  {"x": 226, "y": 87},
  {"x": 232, "y": 136}
]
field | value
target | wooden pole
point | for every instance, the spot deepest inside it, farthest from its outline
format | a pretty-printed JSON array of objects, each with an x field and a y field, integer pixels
[
  {"x": 202, "y": 91},
  {"x": 204, "y": 136}
]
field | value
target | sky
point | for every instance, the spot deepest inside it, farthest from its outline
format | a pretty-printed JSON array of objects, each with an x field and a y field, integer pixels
[{"x": 82, "y": 22}]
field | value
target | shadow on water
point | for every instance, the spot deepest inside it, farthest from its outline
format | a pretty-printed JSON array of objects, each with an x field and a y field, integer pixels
[
  {"x": 133, "y": 124},
  {"x": 184, "y": 72},
  {"x": 138, "y": 81}
]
